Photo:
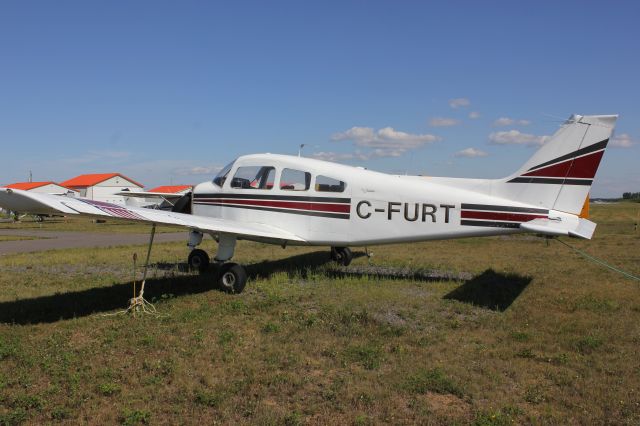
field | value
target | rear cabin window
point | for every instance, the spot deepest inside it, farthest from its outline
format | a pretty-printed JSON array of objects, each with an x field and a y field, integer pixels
[
  {"x": 327, "y": 184},
  {"x": 254, "y": 177},
  {"x": 295, "y": 180}
]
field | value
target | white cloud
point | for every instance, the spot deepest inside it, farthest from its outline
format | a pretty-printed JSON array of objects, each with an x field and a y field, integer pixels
[
  {"x": 471, "y": 153},
  {"x": 459, "y": 102},
  {"x": 382, "y": 153},
  {"x": 339, "y": 156},
  {"x": 474, "y": 115},
  {"x": 506, "y": 121},
  {"x": 358, "y": 155},
  {"x": 515, "y": 137},
  {"x": 385, "y": 142},
  {"x": 386, "y": 138},
  {"x": 196, "y": 170},
  {"x": 443, "y": 122},
  {"x": 622, "y": 141}
]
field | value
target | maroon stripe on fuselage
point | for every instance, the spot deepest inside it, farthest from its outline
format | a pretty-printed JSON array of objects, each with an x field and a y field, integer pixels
[
  {"x": 318, "y": 207},
  {"x": 514, "y": 217}
]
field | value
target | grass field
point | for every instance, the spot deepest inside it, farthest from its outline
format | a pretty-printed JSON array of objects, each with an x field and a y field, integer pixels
[{"x": 506, "y": 331}]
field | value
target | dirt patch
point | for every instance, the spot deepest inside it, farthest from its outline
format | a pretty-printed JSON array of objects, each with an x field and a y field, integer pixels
[
  {"x": 448, "y": 405},
  {"x": 390, "y": 318}
]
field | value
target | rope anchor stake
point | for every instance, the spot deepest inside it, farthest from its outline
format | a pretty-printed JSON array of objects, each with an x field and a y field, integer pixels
[{"x": 139, "y": 303}]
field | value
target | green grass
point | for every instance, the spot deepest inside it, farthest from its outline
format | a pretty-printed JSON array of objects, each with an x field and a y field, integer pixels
[
  {"x": 16, "y": 238},
  {"x": 536, "y": 335}
]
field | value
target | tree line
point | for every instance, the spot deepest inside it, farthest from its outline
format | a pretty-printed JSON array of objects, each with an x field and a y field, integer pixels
[{"x": 631, "y": 196}]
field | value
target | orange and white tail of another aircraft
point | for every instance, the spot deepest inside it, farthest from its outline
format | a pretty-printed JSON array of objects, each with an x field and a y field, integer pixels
[{"x": 284, "y": 200}]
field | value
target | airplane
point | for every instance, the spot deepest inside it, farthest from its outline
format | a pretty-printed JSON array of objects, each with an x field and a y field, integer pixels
[
  {"x": 155, "y": 200},
  {"x": 289, "y": 200}
]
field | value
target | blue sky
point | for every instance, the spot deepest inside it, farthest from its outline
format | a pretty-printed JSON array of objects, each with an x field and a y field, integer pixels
[{"x": 167, "y": 92}]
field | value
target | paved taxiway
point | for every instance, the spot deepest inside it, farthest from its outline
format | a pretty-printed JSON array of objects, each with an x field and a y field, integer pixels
[{"x": 53, "y": 240}]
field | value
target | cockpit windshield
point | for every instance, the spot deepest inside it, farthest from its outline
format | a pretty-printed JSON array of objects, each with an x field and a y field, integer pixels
[{"x": 222, "y": 174}]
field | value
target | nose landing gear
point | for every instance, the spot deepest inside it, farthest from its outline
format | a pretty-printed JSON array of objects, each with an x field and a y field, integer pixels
[{"x": 231, "y": 277}]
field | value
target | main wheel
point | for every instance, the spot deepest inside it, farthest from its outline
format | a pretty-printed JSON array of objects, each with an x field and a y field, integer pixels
[
  {"x": 342, "y": 255},
  {"x": 198, "y": 259},
  {"x": 232, "y": 278}
]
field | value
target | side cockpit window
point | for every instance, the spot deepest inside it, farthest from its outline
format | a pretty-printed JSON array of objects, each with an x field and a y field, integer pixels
[
  {"x": 295, "y": 180},
  {"x": 327, "y": 184},
  {"x": 221, "y": 177},
  {"x": 254, "y": 177}
]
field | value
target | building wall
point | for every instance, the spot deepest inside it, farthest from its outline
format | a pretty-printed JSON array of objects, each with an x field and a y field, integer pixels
[
  {"x": 50, "y": 189},
  {"x": 105, "y": 191},
  {"x": 119, "y": 182}
]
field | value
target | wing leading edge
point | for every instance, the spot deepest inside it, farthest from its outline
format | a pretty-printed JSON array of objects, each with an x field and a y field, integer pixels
[{"x": 24, "y": 201}]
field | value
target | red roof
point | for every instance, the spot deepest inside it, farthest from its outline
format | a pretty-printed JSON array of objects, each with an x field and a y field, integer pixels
[
  {"x": 26, "y": 186},
  {"x": 171, "y": 189},
  {"x": 84, "y": 181}
]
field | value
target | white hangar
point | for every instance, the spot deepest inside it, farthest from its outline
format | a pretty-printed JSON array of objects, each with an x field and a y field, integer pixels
[{"x": 103, "y": 186}]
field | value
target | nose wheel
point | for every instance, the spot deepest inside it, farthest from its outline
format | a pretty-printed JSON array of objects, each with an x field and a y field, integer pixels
[
  {"x": 341, "y": 255},
  {"x": 232, "y": 278}
]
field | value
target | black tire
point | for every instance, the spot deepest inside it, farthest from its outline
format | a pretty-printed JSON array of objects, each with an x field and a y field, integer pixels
[
  {"x": 342, "y": 255},
  {"x": 232, "y": 278},
  {"x": 198, "y": 260},
  {"x": 334, "y": 254}
]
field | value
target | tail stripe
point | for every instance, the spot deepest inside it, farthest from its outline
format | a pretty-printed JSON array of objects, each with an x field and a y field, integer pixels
[
  {"x": 589, "y": 149},
  {"x": 576, "y": 168},
  {"x": 582, "y": 167},
  {"x": 551, "y": 181}
]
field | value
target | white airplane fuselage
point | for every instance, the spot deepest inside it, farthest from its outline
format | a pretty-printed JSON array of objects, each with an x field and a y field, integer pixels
[{"x": 372, "y": 208}]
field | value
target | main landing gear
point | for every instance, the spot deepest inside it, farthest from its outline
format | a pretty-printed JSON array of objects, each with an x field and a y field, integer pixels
[
  {"x": 231, "y": 277},
  {"x": 342, "y": 255},
  {"x": 198, "y": 260}
]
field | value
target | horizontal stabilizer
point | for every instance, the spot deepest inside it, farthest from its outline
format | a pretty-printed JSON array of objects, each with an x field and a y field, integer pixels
[{"x": 581, "y": 228}]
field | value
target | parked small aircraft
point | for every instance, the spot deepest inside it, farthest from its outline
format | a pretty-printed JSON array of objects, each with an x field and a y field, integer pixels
[{"x": 289, "y": 200}]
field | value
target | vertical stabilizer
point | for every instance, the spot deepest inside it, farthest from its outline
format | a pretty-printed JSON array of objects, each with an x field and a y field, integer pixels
[{"x": 559, "y": 175}]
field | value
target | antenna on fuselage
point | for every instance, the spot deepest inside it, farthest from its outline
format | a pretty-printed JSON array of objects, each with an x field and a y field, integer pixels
[{"x": 300, "y": 150}]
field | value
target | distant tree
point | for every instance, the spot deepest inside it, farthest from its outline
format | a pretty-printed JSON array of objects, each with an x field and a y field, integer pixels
[{"x": 631, "y": 196}]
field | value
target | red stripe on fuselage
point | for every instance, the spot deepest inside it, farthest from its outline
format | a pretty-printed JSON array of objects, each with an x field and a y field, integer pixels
[
  {"x": 316, "y": 207},
  {"x": 583, "y": 167},
  {"x": 513, "y": 217}
]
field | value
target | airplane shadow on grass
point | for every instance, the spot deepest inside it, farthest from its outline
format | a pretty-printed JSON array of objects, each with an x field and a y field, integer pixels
[{"x": 490, "y": 290}]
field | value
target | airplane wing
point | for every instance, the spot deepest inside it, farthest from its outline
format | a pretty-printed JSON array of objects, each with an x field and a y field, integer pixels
[
  {"x": 143, "y": 194},
  {"x": 25, "y": 201}
]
